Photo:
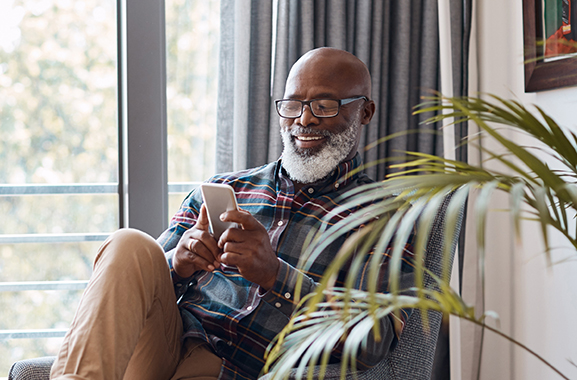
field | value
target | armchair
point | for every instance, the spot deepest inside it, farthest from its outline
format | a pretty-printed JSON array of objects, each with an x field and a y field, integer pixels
[{"x": 411, "y": 359}]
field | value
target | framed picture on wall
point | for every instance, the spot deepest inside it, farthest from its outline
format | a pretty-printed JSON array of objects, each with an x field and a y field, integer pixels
[{"x": 550, "y": 44}]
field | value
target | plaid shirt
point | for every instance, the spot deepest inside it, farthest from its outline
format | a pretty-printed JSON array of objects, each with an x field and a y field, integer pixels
[{"x": 223, "y": 308}]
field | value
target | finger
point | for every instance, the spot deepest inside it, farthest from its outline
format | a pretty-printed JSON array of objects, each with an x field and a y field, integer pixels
[
  {"x": 185, "y": 262},
  {"x": 242, "y": 218},
  {"x": 202, "y": 222},
  {"x": 205, "y": 238},
  {"x": 231, "y": 259},
  {"x": 236, "y": 247},
  {"x": 198, "y": 262},
  {"x": 233, "y": 234},
  {"x": 197, "y": 249}
]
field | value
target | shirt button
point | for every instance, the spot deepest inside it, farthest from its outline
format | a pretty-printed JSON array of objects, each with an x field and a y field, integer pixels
[
  {"x": 287, "y": 295},
  {"x": 311, "y": 190},
  {"x": 337, "y": 185},
  {"x": 249, "y": 308},
  {"x": 278, "y": 304},
  {"x": 229, "y": 343},
  {"x": 280, "y": 223}
]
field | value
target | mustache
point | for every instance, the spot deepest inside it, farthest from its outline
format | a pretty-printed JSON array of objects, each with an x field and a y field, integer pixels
[{"x": 299, "y": 130}]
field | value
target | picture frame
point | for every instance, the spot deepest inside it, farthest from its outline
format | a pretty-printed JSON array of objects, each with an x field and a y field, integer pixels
[{"x": 541, "y": 74}]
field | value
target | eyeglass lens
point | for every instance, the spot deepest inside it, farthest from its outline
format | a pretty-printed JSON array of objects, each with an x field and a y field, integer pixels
[{"x": 319, "y": 107}]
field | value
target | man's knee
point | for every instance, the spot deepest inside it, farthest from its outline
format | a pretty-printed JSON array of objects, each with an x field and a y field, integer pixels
[
  {"x": 133, "y": 237},
  {"x": 128, "y": 246}
]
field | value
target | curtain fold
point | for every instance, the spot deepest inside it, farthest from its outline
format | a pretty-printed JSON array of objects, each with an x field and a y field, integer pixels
[
  {"x": 397, "y": 40},
  {"x": 244, "y": 84}
]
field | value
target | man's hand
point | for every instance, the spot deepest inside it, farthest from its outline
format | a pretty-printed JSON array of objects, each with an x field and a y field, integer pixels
[
  {"x": 249, "y": 249},
  {"x": 197, "y": 249}
]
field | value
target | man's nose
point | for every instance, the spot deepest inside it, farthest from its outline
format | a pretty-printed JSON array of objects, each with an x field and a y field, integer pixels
[{"x": 307, "y": 118}]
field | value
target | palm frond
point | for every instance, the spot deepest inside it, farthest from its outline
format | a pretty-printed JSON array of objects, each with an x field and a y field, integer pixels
[{"x": 408, "y": 200}]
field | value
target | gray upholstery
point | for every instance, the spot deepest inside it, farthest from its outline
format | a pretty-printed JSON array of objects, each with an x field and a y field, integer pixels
[
  {"x": 31, "y": 369},
  {"x": 412, "y": 359}
]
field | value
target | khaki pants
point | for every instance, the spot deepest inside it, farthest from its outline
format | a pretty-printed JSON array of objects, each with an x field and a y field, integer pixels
[{"x": 127, "y": 325}]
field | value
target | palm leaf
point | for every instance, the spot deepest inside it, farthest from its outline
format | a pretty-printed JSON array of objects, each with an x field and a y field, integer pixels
[{"x": 347, "y": 316}]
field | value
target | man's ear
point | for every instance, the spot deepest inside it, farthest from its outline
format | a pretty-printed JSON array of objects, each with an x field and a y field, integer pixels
[{"x": 367, "y": 112}]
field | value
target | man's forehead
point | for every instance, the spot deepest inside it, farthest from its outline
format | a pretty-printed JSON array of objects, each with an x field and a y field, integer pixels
[
  {"x": 301, "y": 87},
  {"x": 319, "y": 86}
]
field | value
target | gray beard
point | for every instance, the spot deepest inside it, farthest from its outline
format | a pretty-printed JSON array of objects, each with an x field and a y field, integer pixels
[{"x": 308, "y": 167}]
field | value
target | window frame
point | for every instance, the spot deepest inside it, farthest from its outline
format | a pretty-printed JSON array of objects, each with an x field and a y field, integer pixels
[{"x": 143, "y": 179}]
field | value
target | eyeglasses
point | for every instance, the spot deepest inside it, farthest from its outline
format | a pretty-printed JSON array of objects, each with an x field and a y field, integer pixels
[{"x": 293, "y": 108}]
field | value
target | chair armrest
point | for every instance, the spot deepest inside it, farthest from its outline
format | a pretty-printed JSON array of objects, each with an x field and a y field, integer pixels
[{"x": 32, "y": 369}]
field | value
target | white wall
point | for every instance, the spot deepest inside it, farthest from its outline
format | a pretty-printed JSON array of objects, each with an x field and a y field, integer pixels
[{"x": 537, "y": 303}]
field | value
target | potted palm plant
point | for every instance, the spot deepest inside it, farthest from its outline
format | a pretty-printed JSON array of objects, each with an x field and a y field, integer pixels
[{"x": 346, "y": 316}]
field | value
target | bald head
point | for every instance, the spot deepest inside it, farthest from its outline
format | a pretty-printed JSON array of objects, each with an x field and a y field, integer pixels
[{"x": 336, "y": 67}]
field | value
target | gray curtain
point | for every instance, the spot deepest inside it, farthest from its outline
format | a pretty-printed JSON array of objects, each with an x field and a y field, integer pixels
[
  {"x": 397, "y": 39},
  {"x": 244, "y": 100}
]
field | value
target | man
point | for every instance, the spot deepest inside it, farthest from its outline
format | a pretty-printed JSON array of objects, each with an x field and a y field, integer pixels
[{"x": 224, "y": 301}]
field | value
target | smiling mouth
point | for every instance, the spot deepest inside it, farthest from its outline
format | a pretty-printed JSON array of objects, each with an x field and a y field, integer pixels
[
  {"x": 309, "y": 143},
  {"x": 309, "y": 138}
]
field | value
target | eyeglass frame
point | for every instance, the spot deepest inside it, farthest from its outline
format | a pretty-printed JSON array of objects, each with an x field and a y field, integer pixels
[{"x": 342, "y": 102}]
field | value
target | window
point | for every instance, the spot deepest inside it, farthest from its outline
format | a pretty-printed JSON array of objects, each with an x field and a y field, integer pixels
[
  {"x": 66, "y": 161},
  {"x": 59, "y": 170}
]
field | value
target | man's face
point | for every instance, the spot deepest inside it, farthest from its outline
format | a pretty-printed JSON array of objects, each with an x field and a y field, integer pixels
[{"x": 313, "y": 146}]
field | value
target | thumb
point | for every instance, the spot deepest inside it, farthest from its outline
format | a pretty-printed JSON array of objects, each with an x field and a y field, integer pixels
[{"x": 202, "y": 222}]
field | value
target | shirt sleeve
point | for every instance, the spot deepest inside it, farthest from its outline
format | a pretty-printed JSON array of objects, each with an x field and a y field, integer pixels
[{"x": 282, "y": 294}]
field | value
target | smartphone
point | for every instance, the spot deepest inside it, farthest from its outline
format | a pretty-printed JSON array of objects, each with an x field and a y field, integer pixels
[{"x": 218, "y": 198}]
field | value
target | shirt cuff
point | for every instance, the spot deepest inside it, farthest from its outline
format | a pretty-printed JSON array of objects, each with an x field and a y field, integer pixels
[{"x": 282, "y": 294}]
